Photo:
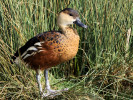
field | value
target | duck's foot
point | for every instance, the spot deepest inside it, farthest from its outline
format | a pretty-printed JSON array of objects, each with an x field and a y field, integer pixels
[{"x": 52, "y": 93}]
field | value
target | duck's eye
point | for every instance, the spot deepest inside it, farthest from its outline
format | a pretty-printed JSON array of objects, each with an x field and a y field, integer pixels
[{"x": 70, "y": 14}]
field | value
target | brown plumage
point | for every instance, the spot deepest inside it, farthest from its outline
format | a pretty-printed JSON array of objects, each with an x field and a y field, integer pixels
[
  {"x": 56, "y": 49},
  {"x": 52, "y": 48}
]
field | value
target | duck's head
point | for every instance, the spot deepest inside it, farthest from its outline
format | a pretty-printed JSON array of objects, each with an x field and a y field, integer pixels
[{"x": 69, "y": 16}]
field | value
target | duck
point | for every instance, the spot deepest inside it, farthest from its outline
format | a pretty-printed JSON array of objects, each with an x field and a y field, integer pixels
[{"x": 51, "y": 48}]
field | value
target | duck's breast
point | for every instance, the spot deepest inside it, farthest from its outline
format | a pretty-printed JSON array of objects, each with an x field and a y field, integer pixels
[{"x": 70, "y": 45}]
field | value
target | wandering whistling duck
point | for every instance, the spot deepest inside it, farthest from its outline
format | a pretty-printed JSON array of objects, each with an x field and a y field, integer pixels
[{"x": 51, "y": 48}]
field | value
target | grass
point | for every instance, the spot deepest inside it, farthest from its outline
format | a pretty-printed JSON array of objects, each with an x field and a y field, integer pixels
[{"x": 103, "y": 67}]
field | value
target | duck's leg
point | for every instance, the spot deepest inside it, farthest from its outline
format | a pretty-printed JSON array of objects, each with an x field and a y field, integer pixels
[
  {"x": 47, "y": 85},
  {"x": 48, "y": 91},
  {"x": 38, "y": 78}
]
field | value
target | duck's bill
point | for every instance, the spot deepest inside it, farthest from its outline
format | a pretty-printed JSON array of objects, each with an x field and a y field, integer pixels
[{"x": 79, "y": 23}]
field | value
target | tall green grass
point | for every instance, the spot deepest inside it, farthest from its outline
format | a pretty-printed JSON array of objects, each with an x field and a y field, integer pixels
[{"x": 103, "y": 67}]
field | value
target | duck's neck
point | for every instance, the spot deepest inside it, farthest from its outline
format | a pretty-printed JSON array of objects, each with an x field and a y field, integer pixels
[
  {"x": 63, "y": 28},
  {"x": 68, "y": 31}
]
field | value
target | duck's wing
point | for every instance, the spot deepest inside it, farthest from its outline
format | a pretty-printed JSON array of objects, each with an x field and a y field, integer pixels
[{"x": 36, "y": 42}]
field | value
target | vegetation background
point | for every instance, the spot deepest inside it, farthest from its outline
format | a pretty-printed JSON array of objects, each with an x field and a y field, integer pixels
[{"x": 103, "y": 67}]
